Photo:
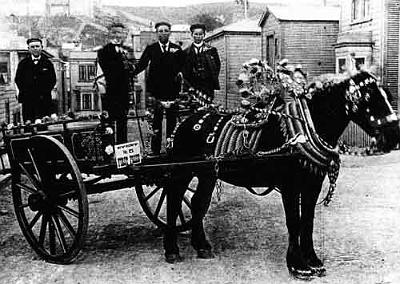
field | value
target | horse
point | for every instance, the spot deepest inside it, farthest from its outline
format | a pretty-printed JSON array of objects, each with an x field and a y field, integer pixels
[{"x": 301, "y": 117}]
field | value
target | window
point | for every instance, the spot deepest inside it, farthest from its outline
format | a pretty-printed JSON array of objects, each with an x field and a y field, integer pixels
[
  {"x": 86, "y": 101},
  {"x": 4, "y": 68},
  {"x": 359, "y": 10},
  {"x": 7, "y": 111},
  {"x": 342, "y": 64},
  {"x": 87, "y": 72}
]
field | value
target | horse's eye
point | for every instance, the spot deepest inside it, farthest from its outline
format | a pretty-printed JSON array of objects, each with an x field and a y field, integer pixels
[
  {"x": 239, "y": 82},
  {"x": 245, "y": 93}
]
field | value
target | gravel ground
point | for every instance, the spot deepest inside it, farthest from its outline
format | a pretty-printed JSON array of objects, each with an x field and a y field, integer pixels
[{"x": 357, "y": 236}]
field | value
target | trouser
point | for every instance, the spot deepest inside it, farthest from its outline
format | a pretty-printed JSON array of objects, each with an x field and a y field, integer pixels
[
  {"x": 37, "y": 109},
  {"x": 171, "y": 114},
  {"x": 117, "y": 112}
]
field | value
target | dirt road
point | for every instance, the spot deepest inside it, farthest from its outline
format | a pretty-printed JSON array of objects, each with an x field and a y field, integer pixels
[{"x": 358, "y": 237}]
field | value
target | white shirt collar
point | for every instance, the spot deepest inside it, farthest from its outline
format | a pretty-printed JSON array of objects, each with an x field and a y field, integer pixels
[
  {"x": 198, "y": 45},
  {"x": 35, "y": 58},
  {"x": 161, "y": 45}
]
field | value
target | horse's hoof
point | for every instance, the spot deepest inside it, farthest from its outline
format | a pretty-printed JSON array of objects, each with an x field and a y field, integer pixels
[
  {"x": 173, "y": 258},
  {"x": 205, "y": 254},
  {"x": 319, "y": 271},
  {"x": 302, "y": 274}
]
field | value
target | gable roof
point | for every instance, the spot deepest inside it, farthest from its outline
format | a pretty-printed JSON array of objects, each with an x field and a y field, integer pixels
[
  {"x": 302, "y": 13},
  {"x": 243, "y": 26}
]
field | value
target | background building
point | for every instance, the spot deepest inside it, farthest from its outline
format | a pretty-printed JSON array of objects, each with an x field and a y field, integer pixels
[
  {"x": 302, "y": 34},
  {"x": 236, "y": 44},
  {"x": 370, "y": 30}
]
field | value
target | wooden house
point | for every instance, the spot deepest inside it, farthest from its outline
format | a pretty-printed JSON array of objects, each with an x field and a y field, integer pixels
[
  {"x": 369, "y": 31},
  {"x": 303, "y": 34},
  {"x": 236, "y": 44},
  {"x": 80, "y": 76}
]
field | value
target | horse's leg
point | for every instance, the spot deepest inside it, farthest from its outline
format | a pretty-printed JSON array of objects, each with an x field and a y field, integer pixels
[
  {"x": 309, "y": 197},
  {"x": 175, "y": 191},
  {"x": 294, "y": 258},
  {"x": 200, "y": 203}
]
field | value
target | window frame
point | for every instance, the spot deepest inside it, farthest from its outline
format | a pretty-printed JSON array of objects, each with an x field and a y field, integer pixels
[
  {"x": 360, "y": 11},
  {"x": 7, "y": 78},
  {"x": 88, "y": 72}
]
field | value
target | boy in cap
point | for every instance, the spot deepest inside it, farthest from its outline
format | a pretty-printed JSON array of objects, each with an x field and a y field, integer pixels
[
  {"x": 202, "y": 63},
  {"x": 165, "y": 60},
  {"x": 35, "y": 79}
]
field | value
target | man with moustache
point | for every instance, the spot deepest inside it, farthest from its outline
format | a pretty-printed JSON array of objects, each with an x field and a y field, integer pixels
[
  {"x": 35, "y": 79},
  {"x": 117, "y": 68},
  {"x": 165, "y": 60}
]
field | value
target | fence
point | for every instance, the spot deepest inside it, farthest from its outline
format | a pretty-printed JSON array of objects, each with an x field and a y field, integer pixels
[{"x": 355, "y": 136}]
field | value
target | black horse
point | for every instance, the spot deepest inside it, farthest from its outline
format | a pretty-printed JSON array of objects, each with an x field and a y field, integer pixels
[{"x": 331, "y": 105}]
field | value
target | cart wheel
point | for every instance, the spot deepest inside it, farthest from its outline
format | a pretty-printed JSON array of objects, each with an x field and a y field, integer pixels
[
  {"x": 49, "y": 198},
  {"x": 153, "y": 200}
]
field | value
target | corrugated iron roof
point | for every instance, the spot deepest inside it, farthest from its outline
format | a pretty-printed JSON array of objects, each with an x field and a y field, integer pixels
[
  {"x": 303, "y": 13},
  {"x": 246, "y": 25}
]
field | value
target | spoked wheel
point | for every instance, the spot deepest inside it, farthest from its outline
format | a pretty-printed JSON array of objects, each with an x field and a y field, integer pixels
[
  {"x": 153, "y": 200},
  {"x": 49, "y": 198}
]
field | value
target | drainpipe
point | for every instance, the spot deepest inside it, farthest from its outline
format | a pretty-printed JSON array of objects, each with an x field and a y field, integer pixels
[{"x": 226, "y": 70}]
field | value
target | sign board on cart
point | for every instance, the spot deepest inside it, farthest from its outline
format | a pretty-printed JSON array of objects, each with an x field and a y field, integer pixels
[{"x": 127, "y": 154}]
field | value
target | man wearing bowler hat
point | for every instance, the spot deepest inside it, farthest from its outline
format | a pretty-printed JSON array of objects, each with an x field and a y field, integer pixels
[
  {"x": 202, "y": 63},
  {"x": 35, "y": 79},
  {"x": 165, "y": 60}
]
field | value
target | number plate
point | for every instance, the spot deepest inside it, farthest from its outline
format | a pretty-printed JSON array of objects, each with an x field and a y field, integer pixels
[{"x": 127, "y": 154}]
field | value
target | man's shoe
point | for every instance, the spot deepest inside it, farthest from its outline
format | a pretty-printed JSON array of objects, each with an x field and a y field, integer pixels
[
  {"x": 173, "y": 258},
  {"x": 205, "y": 254}
]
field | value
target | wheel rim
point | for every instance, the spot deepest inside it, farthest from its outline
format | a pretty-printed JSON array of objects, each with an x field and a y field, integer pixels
[
  {"x": 153, "y": 200},
  {"x": 50, "y": 199}
]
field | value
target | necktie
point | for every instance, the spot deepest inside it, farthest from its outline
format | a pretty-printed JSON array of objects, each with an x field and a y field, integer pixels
[
  {"x": 35, "y": 60},
  {"x": 164, "y": 46}
]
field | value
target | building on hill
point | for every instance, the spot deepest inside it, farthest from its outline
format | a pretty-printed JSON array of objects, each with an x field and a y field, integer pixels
[
  {"x": 302, "y": 34},
  {"x": 236, "y": 44}
]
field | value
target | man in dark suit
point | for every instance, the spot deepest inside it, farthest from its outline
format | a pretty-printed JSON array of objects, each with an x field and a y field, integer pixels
[
  {"x": 35, "y": 79},
  {"x": 116, "y": 62},
  {"x": 202, "y": 63},
  {"x": 165, "y": 60}
]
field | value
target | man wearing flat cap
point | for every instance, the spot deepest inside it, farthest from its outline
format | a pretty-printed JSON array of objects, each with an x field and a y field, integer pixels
[
  {"x": 35, "y": 79},
  {"x": 165, "y": 60},
  {"x": 202, "y": 63}
]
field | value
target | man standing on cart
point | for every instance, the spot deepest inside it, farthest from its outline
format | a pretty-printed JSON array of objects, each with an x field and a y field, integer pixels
[
  {"x": 165, "y": 60},
  {"x": 117, "y": 68},
  {"x": 202, "y": 64}
]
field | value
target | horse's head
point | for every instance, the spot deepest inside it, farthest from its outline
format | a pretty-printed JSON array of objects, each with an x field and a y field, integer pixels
[
  {"x": 255, "y": 82},
  {"x": 367, "y": 104}
]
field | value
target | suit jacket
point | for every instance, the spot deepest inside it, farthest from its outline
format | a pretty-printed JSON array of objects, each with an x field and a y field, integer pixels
[
  {"x": 163, "y": 70},
  {"x": 212, "y": 60},
  {"x": 35, "y": 81},
  {"x": 116, "y": 69}
]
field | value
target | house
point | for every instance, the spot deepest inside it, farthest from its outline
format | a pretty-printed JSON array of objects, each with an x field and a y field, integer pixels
[
  {"x": 236, "y": 44},
  {"x": 369, "y": 31},
  {"x": 79, "y": 78},
  {"x": 303, "y": 34}
]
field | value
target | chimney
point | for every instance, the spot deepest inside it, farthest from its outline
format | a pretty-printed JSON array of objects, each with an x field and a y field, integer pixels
[{"x": 239, "y": 11}]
